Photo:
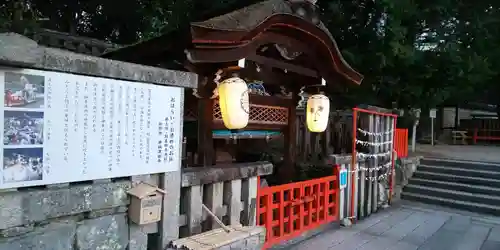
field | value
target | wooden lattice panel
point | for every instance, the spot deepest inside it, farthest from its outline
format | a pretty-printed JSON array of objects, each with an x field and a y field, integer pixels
[
  {"x": 291, "y": 209},
  {"x": 260, "y": 114}
]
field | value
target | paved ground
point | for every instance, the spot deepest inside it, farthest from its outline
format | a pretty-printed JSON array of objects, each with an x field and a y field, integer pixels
[
  {"x": 460, "y": 152},
  {"x": 413, "y": 227}
]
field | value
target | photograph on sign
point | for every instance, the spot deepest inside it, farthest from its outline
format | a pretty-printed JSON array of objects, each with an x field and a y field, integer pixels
[
  {"x": 61, "y": 128},
  {"x": 24, "y": 90},
  {"x": 22, "y": 164},
  {"x": 23, "y": 128}
]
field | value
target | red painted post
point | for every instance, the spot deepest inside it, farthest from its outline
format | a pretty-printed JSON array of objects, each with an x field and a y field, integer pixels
[
  {"x": 474, "y": 136},
  {"x": 257, "y": 203},
  {"x": 336, "y": 173}
]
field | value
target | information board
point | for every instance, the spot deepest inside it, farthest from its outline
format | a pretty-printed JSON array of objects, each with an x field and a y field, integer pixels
[
  {"x": 62, "y": 128},
  {"x": 432, "y": 113}
]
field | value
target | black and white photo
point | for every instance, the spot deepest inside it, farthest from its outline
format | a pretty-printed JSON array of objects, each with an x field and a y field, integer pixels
[
  {"x": 24, "y": 90},
  {"x": 23, "y": 128},
  {"x": 22, "y": 164}
]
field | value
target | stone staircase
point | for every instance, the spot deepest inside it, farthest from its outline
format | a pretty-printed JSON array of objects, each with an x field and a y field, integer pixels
[{"x": 472, "y": 186}]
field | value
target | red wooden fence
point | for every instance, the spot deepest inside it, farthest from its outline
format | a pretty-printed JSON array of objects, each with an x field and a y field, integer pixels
[
  {"x": 401, "y": 142},
  {"x": 291, "y": 209}
]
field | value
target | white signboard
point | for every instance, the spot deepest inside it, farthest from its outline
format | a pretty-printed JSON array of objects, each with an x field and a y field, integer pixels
[
  {"x": 62, "y": 128},
  {"x": 432, "y": 113}
]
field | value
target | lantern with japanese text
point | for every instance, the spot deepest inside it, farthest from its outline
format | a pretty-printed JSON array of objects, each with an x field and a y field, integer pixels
[
  {"x": 234, "y": 102},
  {"x": 318, "y": 111}
]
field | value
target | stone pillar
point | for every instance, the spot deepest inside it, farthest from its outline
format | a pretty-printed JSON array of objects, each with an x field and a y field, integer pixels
[{"x": 171, "y": 183}]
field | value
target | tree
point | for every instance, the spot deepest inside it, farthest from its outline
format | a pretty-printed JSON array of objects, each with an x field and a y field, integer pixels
[
  {"x": 418, "y": 54},
  {"x": 415, "y": 53}
]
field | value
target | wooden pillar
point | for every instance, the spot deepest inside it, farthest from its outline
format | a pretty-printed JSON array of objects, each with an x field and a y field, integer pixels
[
  {"x": 287, "y": 171},
  {"x": 205, "y": 138}
]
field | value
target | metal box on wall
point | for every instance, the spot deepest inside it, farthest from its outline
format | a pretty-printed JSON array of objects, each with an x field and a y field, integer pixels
[{"x": 145, "y": 204}]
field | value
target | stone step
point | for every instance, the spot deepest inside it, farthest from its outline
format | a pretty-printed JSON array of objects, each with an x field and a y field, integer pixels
[
  {"x": 476, "y": 189},
  {"x": 477, "y": 165},
  {"x": 470, "y": 172},
  {"x": 457, "y": 178},
  {"x": 457, "y": 204},
  {"x": 453, "y": 194}
]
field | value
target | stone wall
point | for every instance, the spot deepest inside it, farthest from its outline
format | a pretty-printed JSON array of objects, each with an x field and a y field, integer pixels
[
  {"x": 66, "y": 217},
  {"x": 405, "y": 168},
  {"x": 93, "y": 215}
]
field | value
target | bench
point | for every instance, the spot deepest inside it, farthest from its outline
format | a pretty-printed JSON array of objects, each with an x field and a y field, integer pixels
[{"x": 459, "y": 135}]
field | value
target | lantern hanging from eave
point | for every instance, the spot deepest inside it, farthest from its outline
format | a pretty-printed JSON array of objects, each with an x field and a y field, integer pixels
[
  {"x": 234, "y": 102},
  {"x": 318, "y": 112}
]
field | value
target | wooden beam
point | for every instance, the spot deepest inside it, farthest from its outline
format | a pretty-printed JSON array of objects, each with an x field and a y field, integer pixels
[
  {"x": 287, "y": 171},
  {"x": 205, "y": 138},
  {"x": 217, "y": 53},
  {"x": 283, "y": 65}
]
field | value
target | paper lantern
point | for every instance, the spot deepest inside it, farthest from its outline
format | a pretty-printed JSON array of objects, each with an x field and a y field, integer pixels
[
  {"x": 318, "y": 111},
  {"x": 234, "y": 104}
]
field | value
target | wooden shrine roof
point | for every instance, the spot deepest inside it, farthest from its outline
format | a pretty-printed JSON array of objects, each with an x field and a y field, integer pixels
[{"x": 238, "y": 34}]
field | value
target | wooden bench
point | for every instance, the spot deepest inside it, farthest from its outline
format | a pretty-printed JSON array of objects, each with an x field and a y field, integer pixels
[{"x": 459, "y": 135}]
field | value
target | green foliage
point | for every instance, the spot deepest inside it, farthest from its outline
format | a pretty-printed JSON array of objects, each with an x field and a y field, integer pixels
[
  {"x": 418, "y": 54},
  {"x": 415, "y": 53}
]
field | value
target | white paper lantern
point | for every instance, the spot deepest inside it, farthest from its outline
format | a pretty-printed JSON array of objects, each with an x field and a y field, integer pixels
[
  {"x": 318, "y": 111},
  {"x": 234, "y": 102}
]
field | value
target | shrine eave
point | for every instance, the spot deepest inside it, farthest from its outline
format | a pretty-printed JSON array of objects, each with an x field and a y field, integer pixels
[
  {"x": 238, "y": 34},
  {"x": 238, "y": 43}
]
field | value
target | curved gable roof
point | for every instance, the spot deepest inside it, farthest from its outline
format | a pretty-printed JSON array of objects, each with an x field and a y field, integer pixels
[
  {"x": 242, "y": 26},
  {"x": 245, "y": 26}
]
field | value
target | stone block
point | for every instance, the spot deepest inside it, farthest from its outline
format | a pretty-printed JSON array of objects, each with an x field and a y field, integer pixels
[
  {"x": 262, "y": 238},
  {"x": 69, "y": 62},
  {"x": 238, "y": 245},
  {"x": 107, "y": 211},
  {"x": 169, "y": 226},
  {"x": 19, "y": 50},
  {"x": 16, "y": 231},
  {"x": 54, "y": 236},
  {"x": 201, "y": 176},
  {"x": 253, "y": 241},
  {"x": 226, "y": 247},
  {"x": 109, "y": 232},
  {"x": 138, "y": 239},
  {"x": 19, "y": 208}
]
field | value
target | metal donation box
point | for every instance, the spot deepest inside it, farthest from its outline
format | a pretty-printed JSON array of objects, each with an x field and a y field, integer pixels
[{"x": 145, "y": 204}]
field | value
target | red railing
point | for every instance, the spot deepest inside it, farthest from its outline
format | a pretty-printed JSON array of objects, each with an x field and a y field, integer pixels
[
  {"x": 401, "y": 142},
  {"x": 485, "y": 135},
  {"x": 291, "y": 209}
]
